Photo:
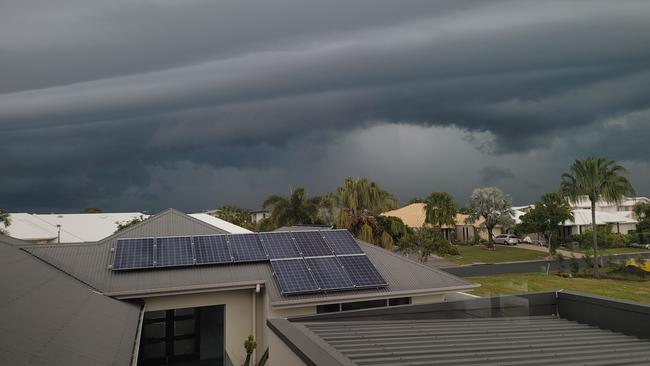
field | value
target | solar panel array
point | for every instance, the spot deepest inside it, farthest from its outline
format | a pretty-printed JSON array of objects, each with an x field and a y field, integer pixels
[{"x": 302, "y": 262}]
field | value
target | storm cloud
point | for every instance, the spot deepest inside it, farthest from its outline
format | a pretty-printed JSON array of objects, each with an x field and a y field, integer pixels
[{"x": 141, "y": 105}]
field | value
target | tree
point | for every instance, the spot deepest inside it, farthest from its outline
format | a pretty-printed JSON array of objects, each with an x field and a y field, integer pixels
[
  {"x": 127, "y": 223},
  {"x": 416, "y": 200},
  {"x": 596, "y": 178},
  {"x": 424, "y": 242},
  {"x": 440, "y": 210},
  {"x": 92, "y": 210},
  {"x": 546, "y": 217},
  {"x": 494, "y": 206},
  {"x": 234, "y": 214},
  {"x": 5, "y": 220},
  {"x": 292, "y": 210},
  {"x": 642, "y": 212},
  {"x": 360, "y": 203}
]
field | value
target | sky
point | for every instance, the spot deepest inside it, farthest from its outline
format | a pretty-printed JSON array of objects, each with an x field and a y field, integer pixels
[{"x": 132, "y": 105}]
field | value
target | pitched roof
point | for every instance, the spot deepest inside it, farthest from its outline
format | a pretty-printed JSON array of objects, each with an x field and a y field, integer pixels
[
  {"x": 583, "y": 217},
  {"x": 414, "y": 215},
  {"x": 89, "y": 263},
  {"x": 50, "y": 318}
]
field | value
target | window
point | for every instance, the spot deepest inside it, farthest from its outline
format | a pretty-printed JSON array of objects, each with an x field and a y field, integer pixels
[
  {"x": 328, "y": 308},
  {"x": 399, "y": 301}
]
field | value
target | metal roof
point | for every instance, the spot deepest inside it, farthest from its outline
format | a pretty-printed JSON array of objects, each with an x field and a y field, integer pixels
[
  {"x": 536, "y": 340},
  {"x": 553, "y": 328},
  {"x": 89, "y": 263},
  {"x": 50, "y": 318}
]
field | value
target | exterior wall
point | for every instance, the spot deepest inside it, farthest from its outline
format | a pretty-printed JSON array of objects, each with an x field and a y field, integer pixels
[
  {"x": 282, "y": 355},
  {"x": 428, "y": 299},
  {"x": 238, "y": 315}
]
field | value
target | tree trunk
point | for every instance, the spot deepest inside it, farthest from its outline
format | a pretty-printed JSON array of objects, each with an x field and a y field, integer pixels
[
  {"x": 594, "y": 234},
  {"x": 490, "y": 238},
  {"x": 550, "y": 245}
]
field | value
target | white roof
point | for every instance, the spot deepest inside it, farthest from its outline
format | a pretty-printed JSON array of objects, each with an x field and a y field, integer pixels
[
  {"x": 583, "y": 217},
  {"x": 584, "y": 202},
  {"x": 87, "y": 227},
  {"x": 221, "y": 224}
]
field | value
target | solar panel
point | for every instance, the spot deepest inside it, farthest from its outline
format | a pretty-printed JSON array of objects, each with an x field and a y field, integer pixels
[
  {"x": 279, "y": 245},
  {"x": 341, "y": 242},
  {"x": 329, "y": 273},
  {"x": 311, "y": 243},
  {"x": 293, "y": 276},
  {"x": 361, "y": 271},
  {"x": 133, "y": 254},
  {"x": 246, "y": 248},
  {"x": 174, "y": 251},
  {"x": 211, "y": 249}
]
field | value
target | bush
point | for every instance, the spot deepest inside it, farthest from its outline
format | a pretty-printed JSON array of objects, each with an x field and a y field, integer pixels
[{"x": 606, "y": 239}]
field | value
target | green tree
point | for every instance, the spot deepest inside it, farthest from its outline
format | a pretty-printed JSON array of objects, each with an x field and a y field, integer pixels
[
  {"x": 5, "y": 220},
  {"x": 494, "y": 206},
  {"x": 292, "y": 210},
  {"x": 234, "y": 214},
  {"x": 440, "y": 210},
  {"x": 416, "y": 200},
  {"x": 360, "y": 203},
  {"x": 596, "y": 178},
  {"x": 546, "y": 217},
  {"x": 424, "y": 242},
  {"x": 642, "y": 212},
  {"x": 127, "y": 223}
]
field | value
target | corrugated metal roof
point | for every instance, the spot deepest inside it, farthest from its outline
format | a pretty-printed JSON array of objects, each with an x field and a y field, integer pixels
[
  {"x": 50, "y": 318},
  {"x": 89, "y": 263},
  {"x": 583, "y": 217},
  {"x": 537, "y": 340}
]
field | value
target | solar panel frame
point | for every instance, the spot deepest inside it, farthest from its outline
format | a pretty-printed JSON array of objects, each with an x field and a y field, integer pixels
[
  {"x": 174, "y": 251},
  {"x": 311, "y": 244},
  {"x": 246, "y": 248},
  {"x": 135, "y": 253},
  {"x": 329, "y": 273},
  {"x": 279, "y": 245},
  {"x": 294, "y": 277},
  {"x": 362, "y": 272},
  {"x": 212, "y": 249},
  {"x": 341, "y": 242}
]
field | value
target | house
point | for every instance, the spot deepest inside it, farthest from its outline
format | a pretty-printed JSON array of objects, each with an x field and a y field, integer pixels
[
  {"x": 618, "y": 221},
  {"x": 86, "y": 227},
  {"x": 414, "y": 216},
  {"x": 626, "y": 205},
  {"x": 550, "y": 328},
  {"x": 259, "y": 215},
  {"x": 188, "y": 314}
]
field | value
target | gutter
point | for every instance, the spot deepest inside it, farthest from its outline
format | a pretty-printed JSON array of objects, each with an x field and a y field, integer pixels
[
  {"x": 136, "y": 345},
  {"x": 183, "y": 290}
]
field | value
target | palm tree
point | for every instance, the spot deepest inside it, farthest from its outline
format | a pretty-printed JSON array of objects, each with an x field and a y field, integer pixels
[
  {"x": 295, "y": 209},
  {"x": 440, "y": 210},
  {"x": 596, "y": 178},
  {"x": 5, "y": 220}
]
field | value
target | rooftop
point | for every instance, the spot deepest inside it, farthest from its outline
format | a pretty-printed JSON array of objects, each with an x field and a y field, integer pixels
[{"x": 535, "y": 329}]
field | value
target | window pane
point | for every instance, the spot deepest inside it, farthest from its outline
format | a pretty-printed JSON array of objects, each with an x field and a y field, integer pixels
[
  {"x": 182, "y": 327},
  {"x": 153, "y": 330},
  {"x": 328, "y": 308},
  {"x": 186, "y": 311},
  {"x": 154, "y": 350},
  {"x": 183, "y": 347},
  {"x": 399, "y": 301},
  {"x": 155, "y": 314},
  {"x": 363, "y": 305}
]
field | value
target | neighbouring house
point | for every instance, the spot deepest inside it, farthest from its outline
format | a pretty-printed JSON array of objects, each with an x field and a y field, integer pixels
[
  {"x": 86, "y": 227},
  {"x": 260, "y": 215},
  {"x": 626, "y": 205},
  {"x": 85, "y": 311},
  {"x": 414, "y": 216}
]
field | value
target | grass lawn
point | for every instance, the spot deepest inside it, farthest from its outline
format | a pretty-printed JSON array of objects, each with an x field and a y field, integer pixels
[
  {"x": 478, "y": 254},
  {"x": 532, "y": 282},
  {"x": 610, "y": 251}
]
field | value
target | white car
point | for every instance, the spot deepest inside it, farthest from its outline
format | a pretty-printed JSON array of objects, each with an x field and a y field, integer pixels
[{"x": 506, "y": 239}]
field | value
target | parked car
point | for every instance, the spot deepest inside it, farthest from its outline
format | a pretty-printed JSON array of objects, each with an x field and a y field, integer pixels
[
  {"x": 637, "y": 245},
  {"x": 506, "y": 239}
]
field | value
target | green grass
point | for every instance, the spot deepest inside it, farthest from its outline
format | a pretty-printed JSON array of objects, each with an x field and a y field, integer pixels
[
  {"x": 532, "y": 282},
  {"x": 478, "y": 254},
  {"x": 611, "y": 251}
]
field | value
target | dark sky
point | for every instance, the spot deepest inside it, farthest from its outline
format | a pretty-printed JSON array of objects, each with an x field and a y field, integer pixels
[{"x": 142, "y": 105}]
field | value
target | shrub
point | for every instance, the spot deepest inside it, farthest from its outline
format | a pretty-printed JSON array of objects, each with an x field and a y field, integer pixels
[
  {"x": 575, "y": 265},
  {"x": 606, "y": 238}
]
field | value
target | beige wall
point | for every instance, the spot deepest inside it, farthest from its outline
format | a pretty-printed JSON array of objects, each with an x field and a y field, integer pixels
[
  {"x": 238, "y": 314},
  {"x": 282, "y": 355},
  {"x": 427, "y": 299}
]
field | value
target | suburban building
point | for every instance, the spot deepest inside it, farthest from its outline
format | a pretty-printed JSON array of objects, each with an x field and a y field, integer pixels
[
  {"x": 626, "y": 205},
  {"x": 260, "y": 215},
  {"x": 414, "y": 216},
  {"x": 189, "y": 314},
  {"x": 86, "y": 227}
]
